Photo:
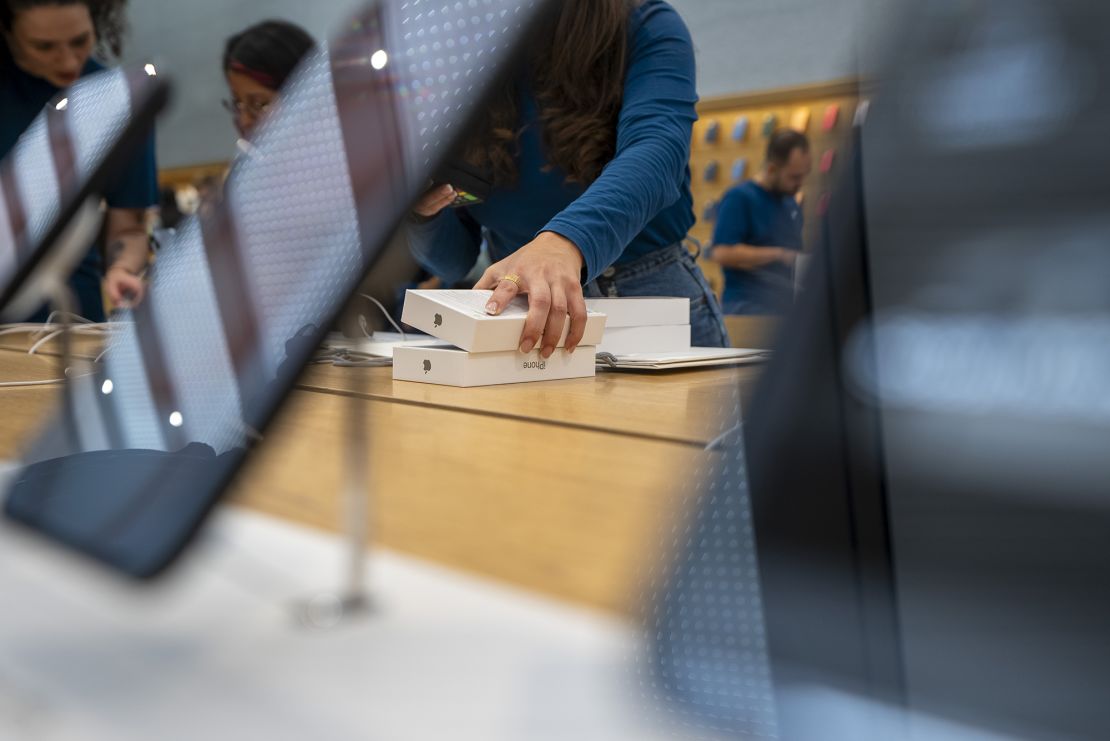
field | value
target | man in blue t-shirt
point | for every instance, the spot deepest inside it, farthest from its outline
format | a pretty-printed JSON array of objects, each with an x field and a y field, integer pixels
[{"x": 758, "y": 236}]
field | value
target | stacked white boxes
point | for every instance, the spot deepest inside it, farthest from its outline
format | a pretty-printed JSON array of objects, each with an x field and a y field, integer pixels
[
  {"x": 638, "y": 326},
  {"x": 486, "y": 348}
]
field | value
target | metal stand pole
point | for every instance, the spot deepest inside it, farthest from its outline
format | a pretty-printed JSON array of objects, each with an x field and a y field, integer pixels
[
  {"x": 64, "y": 304},
  {"x": 356, "y": 505},
  {"x": 352, "y": 599}
]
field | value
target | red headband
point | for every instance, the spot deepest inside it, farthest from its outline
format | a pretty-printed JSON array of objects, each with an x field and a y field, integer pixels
[{"x": 260, "y": 77}]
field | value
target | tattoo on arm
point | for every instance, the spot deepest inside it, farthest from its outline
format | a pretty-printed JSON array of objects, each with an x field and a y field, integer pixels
[{"x": 114, "y": 250}]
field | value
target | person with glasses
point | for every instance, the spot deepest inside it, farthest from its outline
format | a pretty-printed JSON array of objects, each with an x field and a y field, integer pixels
[
  {"x": 257, "y": 62},
  {"x": 45, "y": 47}
]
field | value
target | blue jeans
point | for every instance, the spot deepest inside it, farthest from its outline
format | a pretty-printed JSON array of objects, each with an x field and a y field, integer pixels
[{"x": 670, "y": 271}]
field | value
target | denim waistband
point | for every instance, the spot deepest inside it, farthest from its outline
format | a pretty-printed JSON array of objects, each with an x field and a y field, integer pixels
[{"x": 647, "y": 263}]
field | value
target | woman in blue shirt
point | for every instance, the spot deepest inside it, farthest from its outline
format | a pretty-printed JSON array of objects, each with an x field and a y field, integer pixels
[
  {"x": 589, "y": 155},
  {"x": 47, "y": 46}
]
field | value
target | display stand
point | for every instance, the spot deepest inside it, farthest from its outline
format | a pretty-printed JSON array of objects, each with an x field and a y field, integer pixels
[
  {"x": 63, "y": 306},
  {"x": 351, "y": 600}
]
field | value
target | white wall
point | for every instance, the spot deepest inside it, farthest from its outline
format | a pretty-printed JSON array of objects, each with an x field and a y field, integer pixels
[
  {"x": 745, "y": 45},
  {"x": 187, "y": 39},
  {"x": 742, "y": 45}
]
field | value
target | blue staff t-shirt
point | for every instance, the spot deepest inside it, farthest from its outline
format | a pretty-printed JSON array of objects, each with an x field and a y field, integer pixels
[
  {"x": 752, "y": 215},
  {"x": 22, "y": 98}
]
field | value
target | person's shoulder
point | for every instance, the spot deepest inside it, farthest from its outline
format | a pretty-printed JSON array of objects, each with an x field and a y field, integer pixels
[
  {"x": 745, "y": 191},
  {"x": 652, "y": 19},
  {"x": 92, "y": 67},
  {"x": 8, "y": 70}
]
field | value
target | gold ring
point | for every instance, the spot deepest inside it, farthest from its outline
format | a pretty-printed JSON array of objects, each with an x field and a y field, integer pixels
[{"x": 512, "y": 278}]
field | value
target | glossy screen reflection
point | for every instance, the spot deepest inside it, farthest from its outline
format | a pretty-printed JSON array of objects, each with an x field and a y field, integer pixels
[
  {"x": 243, "y": 296},
  {"x": 68, "y": 153}
]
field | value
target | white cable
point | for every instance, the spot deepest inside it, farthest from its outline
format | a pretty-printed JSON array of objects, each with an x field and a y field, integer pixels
[
  {"x": 344, "y": 358},
  {"x": 17, "y": 384},
  {"x": 46, "y": 332},
  {"x": 719, "y": 441},
  {"x": 48, "y": 382},
  {"x": 44, "y": 340},
  {"x": 73, "y": 317},
  {"x": 40, "y": 328},
  {"x": 378, "y": 303},
  {"x": 90, "y": 329},
  {"x": 20, "y": 329}
]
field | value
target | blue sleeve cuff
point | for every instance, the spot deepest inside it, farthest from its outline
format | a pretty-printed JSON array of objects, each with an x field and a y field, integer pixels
[{"x": 443, "y": 247}]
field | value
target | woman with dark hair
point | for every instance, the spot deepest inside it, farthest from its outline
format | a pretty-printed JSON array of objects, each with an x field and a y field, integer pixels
[
  {"x": 47, "y": 46},
  {"x": 257, "y": 62},
  {"x": 588, "y": 152}
]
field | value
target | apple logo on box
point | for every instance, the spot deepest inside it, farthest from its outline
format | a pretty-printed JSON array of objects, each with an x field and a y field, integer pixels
[
  {"x": 427, "y": 367},
  {"x": 438, "y": 320}
]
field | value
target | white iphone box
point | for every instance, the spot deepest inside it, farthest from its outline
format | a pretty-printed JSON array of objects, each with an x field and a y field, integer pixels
[
  {"x": 639, "y": 340},
  {"x": 460, "y": 317},
  {"x": 454, "y": 367},
  {"x": 637, "y": 311}
]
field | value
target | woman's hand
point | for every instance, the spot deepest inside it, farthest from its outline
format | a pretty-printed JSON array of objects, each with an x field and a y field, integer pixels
[
  {"x": 434, "y": 200},
  {"x": 549, "y": 270},
  {"x": 124, "y": 287}
]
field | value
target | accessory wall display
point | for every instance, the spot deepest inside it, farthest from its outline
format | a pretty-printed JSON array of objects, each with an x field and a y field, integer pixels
[
  {"x": 770, "y": 123},
  {"x": 740, "y": 129},
  {"x": 709, "y": 214},
  {"x": 800, "y": 120},
  {"x": 740, "y": 169},
  {"x": 713, "y": 132},
  {"x": 743, "y": 154}
]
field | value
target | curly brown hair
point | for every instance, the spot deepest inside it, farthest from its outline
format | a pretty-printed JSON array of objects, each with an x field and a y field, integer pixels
[
  {"x": 577, "y": 76},
  {"x": 108, "y": 16}
]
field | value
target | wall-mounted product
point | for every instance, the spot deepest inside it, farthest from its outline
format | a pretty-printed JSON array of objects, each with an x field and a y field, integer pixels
[
  {"x": 710, "y": 212},
  {"x": 740, "y": 169},
  {"x": 740, "y": 129},
  {"x": 861, "y": 113},
  {"x": 713, "y": 132},
  {"x": 800, "y": 120},
  {"x": 769, "y": 125}
]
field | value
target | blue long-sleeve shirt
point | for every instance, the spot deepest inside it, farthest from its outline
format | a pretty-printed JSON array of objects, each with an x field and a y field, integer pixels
[{"x": 641, "y": 201}]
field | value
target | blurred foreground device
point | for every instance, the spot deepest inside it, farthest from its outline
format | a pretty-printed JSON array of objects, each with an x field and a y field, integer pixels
[
  {"x": 927, "y": 451},
  {"x": 242, "y": 296},
  {"x": 52, "y": 181}
]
